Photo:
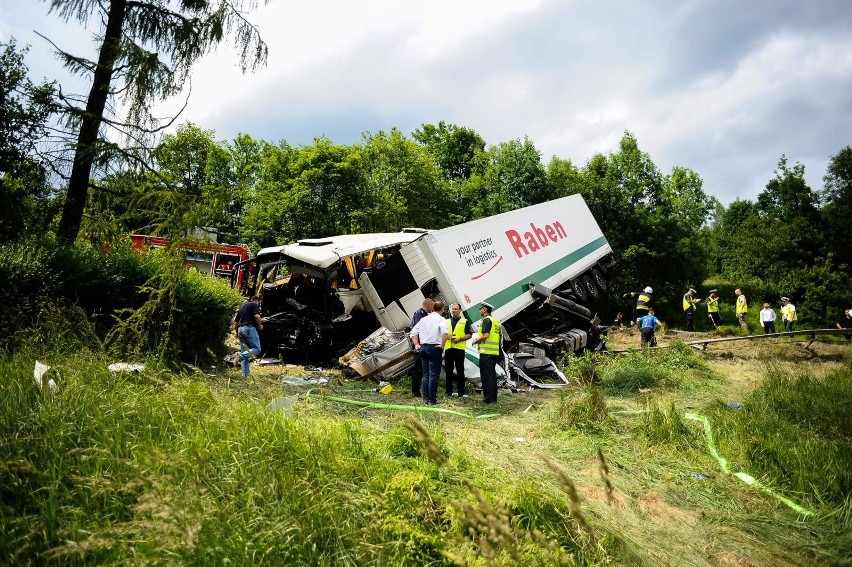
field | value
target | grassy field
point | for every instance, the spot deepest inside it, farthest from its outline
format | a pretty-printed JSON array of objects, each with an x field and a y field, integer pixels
[{"x": 203, "y": 468}]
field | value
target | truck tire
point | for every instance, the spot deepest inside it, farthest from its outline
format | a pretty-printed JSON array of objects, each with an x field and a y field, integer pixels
[
  {"x": 600, "y": 280},
  {"x": 591, "y": 288},
  {"x": 579, "y": 290}
]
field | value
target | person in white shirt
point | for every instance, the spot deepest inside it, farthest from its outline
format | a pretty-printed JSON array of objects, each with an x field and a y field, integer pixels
[
  {"x": 767, "y": 319},
  {"x": 429, "y": 336}
]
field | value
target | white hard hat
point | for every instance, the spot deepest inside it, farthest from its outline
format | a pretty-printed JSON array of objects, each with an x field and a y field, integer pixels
[{"x": 649, "y": 290}]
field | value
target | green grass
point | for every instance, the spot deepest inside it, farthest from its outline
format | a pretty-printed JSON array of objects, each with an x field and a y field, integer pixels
[{"x": 164, "y": 468}]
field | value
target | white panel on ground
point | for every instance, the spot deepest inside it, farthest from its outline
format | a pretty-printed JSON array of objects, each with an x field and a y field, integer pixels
[
  {"x": 411, "y": 302},
  {"x": 394, "y": 318}
]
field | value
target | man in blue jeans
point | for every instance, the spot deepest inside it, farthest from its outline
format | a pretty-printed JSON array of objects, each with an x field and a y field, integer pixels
[
  {"x": 247, "y": 325},
  {"x": 429, "y": 336}
]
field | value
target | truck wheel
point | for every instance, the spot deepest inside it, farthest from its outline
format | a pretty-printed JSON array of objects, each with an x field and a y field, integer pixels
[
  {"x": 579, "y": 291},
  {"x": 592, "y": 289},
  {"x": 600, "y": 280}
]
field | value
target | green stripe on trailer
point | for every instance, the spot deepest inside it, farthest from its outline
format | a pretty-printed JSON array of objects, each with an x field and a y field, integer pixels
[{"x": 521, "y": 287}]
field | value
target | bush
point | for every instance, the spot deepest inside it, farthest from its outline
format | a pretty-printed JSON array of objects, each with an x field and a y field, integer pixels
[
  {"x": 583, "y": 409},
  {"x": 659, "y": 426},
  {"x": 59, "y": 298}
]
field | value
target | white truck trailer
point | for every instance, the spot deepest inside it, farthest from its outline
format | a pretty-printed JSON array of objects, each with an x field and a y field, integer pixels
[{"x": 541, "y": 267}]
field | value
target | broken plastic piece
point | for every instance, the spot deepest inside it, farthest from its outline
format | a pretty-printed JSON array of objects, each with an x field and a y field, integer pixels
[
  {"x": 39, "y": 376},
  {"x": 125, "y": 367}
]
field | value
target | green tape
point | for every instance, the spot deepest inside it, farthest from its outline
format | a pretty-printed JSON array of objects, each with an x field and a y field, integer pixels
[
  {"x": 376, "y": 405},
  {"x": 746, "y": 478}
]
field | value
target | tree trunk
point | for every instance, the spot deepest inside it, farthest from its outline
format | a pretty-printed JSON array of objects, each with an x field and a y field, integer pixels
[{"x": 87, "y": 140}]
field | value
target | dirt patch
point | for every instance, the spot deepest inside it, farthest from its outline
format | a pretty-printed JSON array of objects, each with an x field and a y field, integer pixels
[
  {"x": 663, "y": 513},
  {"x": 598, "y": 494},
  {"x": 728, "y": 559}
]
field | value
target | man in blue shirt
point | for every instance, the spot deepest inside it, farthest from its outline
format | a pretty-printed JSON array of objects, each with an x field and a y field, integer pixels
[
  {"x": 646, "y": 327},
  {"x": 417, "y": 370}
]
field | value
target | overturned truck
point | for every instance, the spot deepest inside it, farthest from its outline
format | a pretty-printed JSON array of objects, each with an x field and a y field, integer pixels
[{"x": 542, "y": 267}]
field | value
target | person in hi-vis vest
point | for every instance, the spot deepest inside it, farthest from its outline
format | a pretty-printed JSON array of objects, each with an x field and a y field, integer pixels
[
  {"x": 712, "y": 304},
  {"x": 488, "y": 341},
  {"x": 788, "y": 314},
  {"x": 460, "y": 332},
  {"x": 741, "y": 309},
  {"x": 689, "y": 303}
]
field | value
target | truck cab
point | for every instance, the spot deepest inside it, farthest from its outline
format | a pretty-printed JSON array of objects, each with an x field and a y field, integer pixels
[{"x": 311, "y": 299}]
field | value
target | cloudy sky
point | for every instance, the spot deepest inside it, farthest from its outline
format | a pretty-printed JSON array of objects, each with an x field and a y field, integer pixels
[{"x": 723, "y": 87}]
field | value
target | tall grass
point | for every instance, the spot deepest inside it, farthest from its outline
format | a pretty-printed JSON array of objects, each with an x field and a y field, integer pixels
[
  {"x": 677, "y": 367},
  {"x": 163, "y": 468},
  {"x": 154, "y": 468},
  {"x": 796, "y": 430}
]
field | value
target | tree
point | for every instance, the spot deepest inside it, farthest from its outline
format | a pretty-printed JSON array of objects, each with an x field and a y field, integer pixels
[
  {"x": 514, "y": 177},
  {"x": 455, "y": 148},
  {"x": 146, "y": 51},
  {"x": 264, "y": 219},
  {"x": 836, "y": 197},
  {"x": 404, "y": 185},
  {"x": 326, "y": 183},
  {"x": 789, "y": 206},
  {"x": 651, "y": 220},
  {"x": 563, "y": 177},
  {"x": 24, "y": 111}
]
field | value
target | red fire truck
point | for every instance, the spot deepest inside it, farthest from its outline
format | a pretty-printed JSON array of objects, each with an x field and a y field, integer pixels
[{"x": 215, "y": 260}]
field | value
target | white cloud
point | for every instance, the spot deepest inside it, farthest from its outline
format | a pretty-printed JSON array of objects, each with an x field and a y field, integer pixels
[{"x": 725, "y": 95}]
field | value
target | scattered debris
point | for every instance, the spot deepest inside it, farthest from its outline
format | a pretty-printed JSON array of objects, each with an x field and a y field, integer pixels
[
  {"x": 698, "y": 476},
  {"x": 384, "y": 354},
  {"x": 126, "y": 367},
  {"x": 735, "y": 405},
  {"x": 267, "y": 361},
  {"x": 293, "y": 381},
  {"x": 520, "y": 439},
  {"x": 284, "y": 405},
  {"x": 39, "y": 375}
]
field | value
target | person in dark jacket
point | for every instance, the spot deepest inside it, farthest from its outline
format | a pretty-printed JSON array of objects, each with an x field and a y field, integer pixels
[
  {"x": 417, "y": 371},
  {"x": 247, "y": 326}
]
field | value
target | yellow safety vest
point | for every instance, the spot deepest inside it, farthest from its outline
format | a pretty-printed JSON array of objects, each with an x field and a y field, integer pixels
[
  {"x": 688, "y": 301},
  {"x": 491, "y": 345},
  {"x": 742, "y": 305},
  {"x": 712, "y": 305},
  {"x": 457, "y": 332},
  {"x": 788, "y": 312},
  {"x": 643, "y": 302}
]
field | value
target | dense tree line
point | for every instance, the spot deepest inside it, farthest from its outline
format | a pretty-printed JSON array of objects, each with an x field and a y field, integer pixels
[{"x": 665, "y": 230}]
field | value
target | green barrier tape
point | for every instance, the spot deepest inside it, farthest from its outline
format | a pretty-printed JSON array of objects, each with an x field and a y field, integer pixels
[
  {"x": 746, "y": 478},
  {"x": 376, "y": 405}
]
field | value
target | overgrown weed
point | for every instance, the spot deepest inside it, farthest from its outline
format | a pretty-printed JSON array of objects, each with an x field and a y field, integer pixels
[
  {"x": 584, "y": 409},
  {"x": 677, "y": 367},
  {"x": 796, "y": 431},
  {"x": 666, "y": 426}
]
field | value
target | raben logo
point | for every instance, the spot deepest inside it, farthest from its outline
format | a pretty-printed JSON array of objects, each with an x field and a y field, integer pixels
[{"x": 536, "y": 238}]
